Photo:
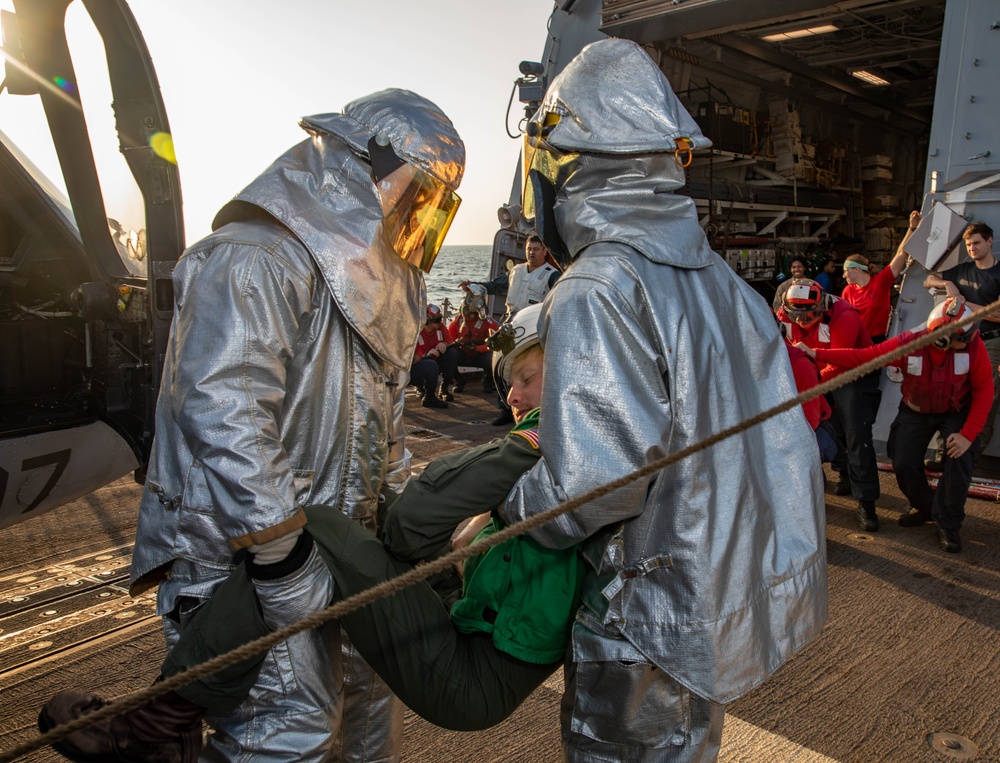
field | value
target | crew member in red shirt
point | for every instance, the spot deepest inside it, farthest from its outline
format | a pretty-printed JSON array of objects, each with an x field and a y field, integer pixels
[
  {"x": 432, "y": 344},
  {"x": 871, "y": 294},
  {"x": 817, "y": 411},
  {"x": 468, "y": 334},
  {"x": 817, "y": 319},
  {"x": 947, "y": 387}
]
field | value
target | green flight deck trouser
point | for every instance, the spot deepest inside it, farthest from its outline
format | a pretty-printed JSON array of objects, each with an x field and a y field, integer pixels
[{"x": 455, "y": 680}]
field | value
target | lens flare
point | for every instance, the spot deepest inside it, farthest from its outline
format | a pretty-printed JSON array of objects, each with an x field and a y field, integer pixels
[
  {"x": 162, "y": 144},
  {"x": 65, "y": 85}
]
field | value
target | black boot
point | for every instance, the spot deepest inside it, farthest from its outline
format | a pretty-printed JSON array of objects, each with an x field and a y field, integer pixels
[
  {"x": 167, "y": 730},
  {"x": 432, "y": 401},
  {"x": 949, "y": 540},
  {"x": 446, "y": 394},
  {"x": 915, "y": 518},
  {"x": 867, "y": 518}
]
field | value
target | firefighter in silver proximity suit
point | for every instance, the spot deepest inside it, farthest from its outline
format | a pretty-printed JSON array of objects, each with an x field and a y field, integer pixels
[
  {"x": 283, "y": 386},
  {"x": 706, "y": 577}
]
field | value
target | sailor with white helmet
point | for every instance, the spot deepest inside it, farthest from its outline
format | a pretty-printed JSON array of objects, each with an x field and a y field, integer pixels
[
  {"x": 705, "y": 577},
  {"x": 469, "y": 332},
  {"x": 818, "y": 319},
  {"x": 946, "y": 388},
  {"x": 283, "y": 386}
]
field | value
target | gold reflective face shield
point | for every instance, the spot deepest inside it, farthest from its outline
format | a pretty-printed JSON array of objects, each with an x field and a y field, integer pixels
[
  {"x": 417, "y": 210},
  {"x": 537, "y": 155}
]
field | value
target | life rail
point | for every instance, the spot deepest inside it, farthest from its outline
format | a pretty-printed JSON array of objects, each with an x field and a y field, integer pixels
[{"x": 426, "y": 569}]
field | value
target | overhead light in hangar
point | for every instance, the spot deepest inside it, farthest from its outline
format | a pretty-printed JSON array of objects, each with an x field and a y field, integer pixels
[
  {"x": 867, "y": 76},
  {"x": 796, "y": 33}
]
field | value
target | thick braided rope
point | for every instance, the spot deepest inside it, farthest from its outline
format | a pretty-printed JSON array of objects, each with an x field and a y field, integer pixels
[{"x": 425, "y": 570}]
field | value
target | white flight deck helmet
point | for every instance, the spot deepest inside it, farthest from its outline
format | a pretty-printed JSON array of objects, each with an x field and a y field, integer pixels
[
  {"x": 475, "y": 300},
  {"x": 510, "y": 341},
  {"x": 947, "y": 312}
]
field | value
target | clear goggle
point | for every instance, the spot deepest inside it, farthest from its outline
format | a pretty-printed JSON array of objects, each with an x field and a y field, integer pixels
[{"x": 417, "y": 210}]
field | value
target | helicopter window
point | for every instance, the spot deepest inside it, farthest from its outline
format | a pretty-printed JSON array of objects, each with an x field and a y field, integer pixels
[{"x": 24, "y": 122}]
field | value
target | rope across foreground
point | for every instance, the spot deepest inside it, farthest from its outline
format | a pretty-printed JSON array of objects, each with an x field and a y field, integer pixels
[{"x": 426, "y": 569}]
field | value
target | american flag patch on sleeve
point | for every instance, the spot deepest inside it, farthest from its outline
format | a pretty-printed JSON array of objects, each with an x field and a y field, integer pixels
[{"x": 531, "y": 435}]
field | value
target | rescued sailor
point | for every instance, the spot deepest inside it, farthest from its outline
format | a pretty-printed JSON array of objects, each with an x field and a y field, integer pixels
[
  {"x": 704, "y": 578},
  {"x": 504, "y": 636},
  {"x": 283, "y": 384},
  {"x": 947, "y": 388}
]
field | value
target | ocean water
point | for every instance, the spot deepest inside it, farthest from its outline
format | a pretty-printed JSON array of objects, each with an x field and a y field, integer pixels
[{"x": 453, "y": 265}]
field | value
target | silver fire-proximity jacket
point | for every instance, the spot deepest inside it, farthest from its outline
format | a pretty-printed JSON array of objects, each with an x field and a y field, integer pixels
[
  {"x": 713, "y": 569},
  {"x": 295, "y": 322}
]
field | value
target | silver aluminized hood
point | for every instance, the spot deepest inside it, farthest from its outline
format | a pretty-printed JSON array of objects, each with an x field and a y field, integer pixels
[
  {"x": 619, "y": 113},
  {"x": 630, "y": 200},
  {"x": 322, "y": 190},
  {"x": 613, "y": 99}
]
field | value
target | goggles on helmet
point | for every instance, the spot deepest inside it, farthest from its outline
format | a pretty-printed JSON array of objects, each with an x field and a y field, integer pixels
[
  {"x": 950, "y": 311},
  {"x": 417, "y": 210},
  {"x": 803, "y": 301},
  {"x": 475, "y": 301}
]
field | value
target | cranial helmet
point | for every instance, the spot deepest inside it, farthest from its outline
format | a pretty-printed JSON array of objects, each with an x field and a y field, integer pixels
[
  {"x": 510, "y": 341},
  {"x": 475, "y": 300},
  {"x": 434, "y": 314},
  {"x": 950, "y": 311},
  {"x": 804, "y": 301},
  {"x": 418, "y": 160}
]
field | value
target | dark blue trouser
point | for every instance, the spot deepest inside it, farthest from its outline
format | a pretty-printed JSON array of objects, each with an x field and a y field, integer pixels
[
  {"x": 456, "y": 357},
  {"x": 424, "y": 376},
  {"x": 826, "y": 442},
  {"x": 854, "y": 409},
  {"x": 909, "y": 436}
]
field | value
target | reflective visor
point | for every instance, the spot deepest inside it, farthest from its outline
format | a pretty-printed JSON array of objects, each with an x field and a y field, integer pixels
[
  {"x": 417, "y": 210},
  {"x": 547, "y": 160}
]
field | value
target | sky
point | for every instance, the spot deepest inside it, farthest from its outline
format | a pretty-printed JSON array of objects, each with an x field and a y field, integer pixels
[{"x": 236, "y": 75}]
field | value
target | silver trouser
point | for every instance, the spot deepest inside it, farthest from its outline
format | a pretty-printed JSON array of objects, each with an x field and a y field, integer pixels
[
  {"x": 627, "y": 710},
  {"x": 371, "y": 730},
  {"x": 300, "y": 708},
  {"x": 666, "y": 723}
]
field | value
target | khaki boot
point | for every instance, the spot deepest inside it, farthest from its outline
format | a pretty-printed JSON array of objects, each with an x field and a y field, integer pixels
[{"x": 167, "y": 730}]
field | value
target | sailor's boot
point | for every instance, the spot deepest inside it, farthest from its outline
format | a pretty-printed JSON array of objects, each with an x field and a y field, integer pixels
[
  {"x": 431, "y": 400},
  {"x": 867, "y": 518},
  {"x": 167, "y": 730}
]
